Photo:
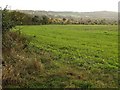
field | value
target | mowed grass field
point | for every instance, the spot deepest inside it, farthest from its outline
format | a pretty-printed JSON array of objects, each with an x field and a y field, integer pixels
[{"x": 75, "y": 55}]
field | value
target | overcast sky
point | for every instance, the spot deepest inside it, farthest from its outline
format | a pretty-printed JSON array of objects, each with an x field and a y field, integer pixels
[{"x": 62, "y": 5}]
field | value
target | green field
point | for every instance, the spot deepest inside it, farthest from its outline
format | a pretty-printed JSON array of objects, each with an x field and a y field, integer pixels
[{"x": 75, "y": 55}]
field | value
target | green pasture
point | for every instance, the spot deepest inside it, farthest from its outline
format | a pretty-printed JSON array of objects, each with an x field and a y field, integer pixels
[{"x": 75, "y": 55}]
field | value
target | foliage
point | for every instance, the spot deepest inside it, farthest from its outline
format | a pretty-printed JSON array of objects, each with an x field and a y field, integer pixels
[
  {"x": 36, "y": 20},
  {"x": 81, "y": 21},
  {"x": 12, "y": 18},
  {"x": 20, "y": 18},
  {"x": 7, "y": 22}
]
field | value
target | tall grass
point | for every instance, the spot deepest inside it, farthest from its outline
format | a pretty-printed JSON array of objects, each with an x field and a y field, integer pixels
[{"x": 19, "y": 64}]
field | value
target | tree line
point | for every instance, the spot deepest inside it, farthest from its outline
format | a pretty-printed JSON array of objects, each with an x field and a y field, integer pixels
[
  {"x": 12, "y": 18},
  {"x": 82, "y": 21}
]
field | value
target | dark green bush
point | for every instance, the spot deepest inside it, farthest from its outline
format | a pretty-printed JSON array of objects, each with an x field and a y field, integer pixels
[{"x": 7, "y": 22}]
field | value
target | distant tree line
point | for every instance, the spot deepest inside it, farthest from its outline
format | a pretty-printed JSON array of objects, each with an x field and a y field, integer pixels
[
  {"x": 82, "y": 21},
  {"x": 12, "y": 18}
]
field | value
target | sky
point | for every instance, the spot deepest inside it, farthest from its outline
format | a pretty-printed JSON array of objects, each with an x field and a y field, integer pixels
[{"x": 62, "y": 5}]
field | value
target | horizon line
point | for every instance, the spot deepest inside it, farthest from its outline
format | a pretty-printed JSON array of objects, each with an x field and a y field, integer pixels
[{"x": 64, "y": 11}]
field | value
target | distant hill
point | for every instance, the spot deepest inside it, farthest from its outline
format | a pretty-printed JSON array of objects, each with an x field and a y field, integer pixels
[{"x": 94, "y": 15}]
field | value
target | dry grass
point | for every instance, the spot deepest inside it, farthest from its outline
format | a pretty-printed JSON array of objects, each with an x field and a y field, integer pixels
[{"x": 18, "y": 65}]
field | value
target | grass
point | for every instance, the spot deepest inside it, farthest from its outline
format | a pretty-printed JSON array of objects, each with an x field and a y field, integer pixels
[{"x": 73, "y": 56}]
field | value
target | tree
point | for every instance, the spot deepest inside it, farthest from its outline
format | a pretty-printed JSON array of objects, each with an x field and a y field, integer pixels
[
  {"x": 35, "y": 20},
  {"x": 45, "y": 20}
]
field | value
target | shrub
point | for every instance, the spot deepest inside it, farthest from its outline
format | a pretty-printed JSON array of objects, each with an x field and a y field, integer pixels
[{"x": 7, "y": 22}]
